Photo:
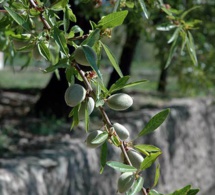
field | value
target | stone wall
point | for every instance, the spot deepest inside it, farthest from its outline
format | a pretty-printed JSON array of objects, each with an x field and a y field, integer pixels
[{"x": 187, "y": 140}]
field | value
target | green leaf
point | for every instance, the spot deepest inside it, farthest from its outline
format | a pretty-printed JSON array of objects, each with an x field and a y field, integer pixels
[
  {"x": 115, "y": 140},
  {"x": 100, "y": 138},
  {"x": 59, "y": 5},
  {"x": 77, "y": 29},
  {"x": 157, "y": 175},
  {"x": 60, "y": 39},
  {"x": 188, "y": 11},
  {"x": 44, "y": 51},
  {"x": 155, "y": 122},
  {"x": 149, "y": 160},
  {"x": 74, "y": 114},
  {"x": 112, "y": 59},
  {"x": 18, "y": 19},
  {"x": 193, "y": 192},
  {"x": 86, "y": 117},
  {"x": 103, "y": 156},
  {"x": 143, "y": 7},
  {"x": 191, "y": 48},
  {"x": 63, "y": 63},
  {"x": 119, "y": 84},
  {"x": 71, "y": 15},
  {"x": 135, "y": 83},
  {"x": 112, "y": 20},
  {"x": 154, "y": 192},
  {"x": 183, "y": 191},
  {"x": 121, "y": 167},
  {"x": 91, "y": 58},
  {"x": 174, "y": 36},
  {"x": 92, "y": 38},
  {"x": 171, "y": 53},
  {"x": 146, "y": 149},
  {"x": 137, "y": 186}
]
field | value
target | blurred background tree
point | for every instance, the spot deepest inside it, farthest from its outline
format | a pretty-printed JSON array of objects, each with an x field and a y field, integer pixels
[{"x": 141, "y": 40}]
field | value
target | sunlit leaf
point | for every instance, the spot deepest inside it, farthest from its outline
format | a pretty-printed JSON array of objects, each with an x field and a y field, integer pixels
[
  {"x": 119, "y": 84},
  {"x": 112, "y": 20},
  {"x": 146, "y": 149},
  {"x": 149, "y": 160}
]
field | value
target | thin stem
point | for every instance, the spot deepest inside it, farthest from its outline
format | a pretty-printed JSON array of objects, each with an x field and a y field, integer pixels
[
  {"x": 44, "y": 21},
  {"x": 104, "y": 115}
]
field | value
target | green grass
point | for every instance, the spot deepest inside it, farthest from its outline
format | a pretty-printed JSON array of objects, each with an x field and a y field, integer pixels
[{"x": 25, "y": 79}]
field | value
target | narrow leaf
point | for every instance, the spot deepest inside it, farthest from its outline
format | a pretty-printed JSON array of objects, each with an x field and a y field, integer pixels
[
  {"x": 60, "y": 39},
  {"x": 63, "y": 63},
  {"x": 92, "y": 39},
  {"x": 100, "y": 138},
  {"x": 119, "y": 84},
  {"x": 155, "y": 122},
  {"x": 174, "y": 36},
  {"x": 143, "y": 7},
  {"x": 146, "y": 149},
  {"x": 157, "y": 175},
  {"x": 193, "y": 192},
  {"x": 188, "y": 11},
  {"x": 17, "y": 18},
  {"x": 112, "y": 59},
  {"x": 112, "y": 20},
  {"x": 86, "y": 117},
  {"x": 91, "y": 58},
  {"x": 137, "y": 186},
  {"x": 184, "y": 191},
  {"x": 135, "y": 83},
  {"x": 171, "y": 53},
  {"x": 103, "y": 156},
  {"x": 191, "y": 48},
  {"x": 121, "y": 167},
  {"x": 149, "y": 160},
  {"x": 44, "y": 51},
  {"x": 154, "y": 192}
]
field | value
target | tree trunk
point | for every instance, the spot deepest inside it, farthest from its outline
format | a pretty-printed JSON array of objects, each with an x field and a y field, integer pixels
[
  {"x": 162, "y": 83},
  {"x": 127, "y": 53}
]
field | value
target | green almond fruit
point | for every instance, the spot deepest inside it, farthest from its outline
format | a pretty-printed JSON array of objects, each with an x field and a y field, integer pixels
[
  {"x": 74, "y": 95},
  {"x": 90, "y": 107},
  {"x": 121, "y": 131},
  {"x": 120, "y": 101},
  {"x": 92, "y": 136},
  {"x": 135, "y": 158},
  {"x": 125, "y": 182},
  {"x": 80, "y": 57}
]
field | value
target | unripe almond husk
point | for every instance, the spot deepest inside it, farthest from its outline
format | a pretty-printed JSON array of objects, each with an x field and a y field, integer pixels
[
  {"x": 74, "y": 95},
  {"x": 91, "y": 137},
  {"x": 125, "y": 181},
  {"x": 90, "y": 107},
  {"x": 121, "y": 131},
  {"x": 120, "y": 101},
  {"x": 135, "y": 158}
]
